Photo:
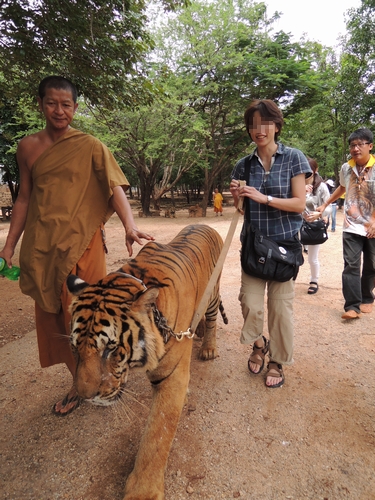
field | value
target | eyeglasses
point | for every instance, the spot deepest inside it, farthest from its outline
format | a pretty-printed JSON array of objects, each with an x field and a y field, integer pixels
[{"x": 358, "y": 145}]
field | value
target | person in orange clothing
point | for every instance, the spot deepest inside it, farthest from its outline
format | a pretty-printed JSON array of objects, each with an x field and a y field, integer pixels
[
  {"x": 218, "y": 202},
  {"x": 70, "y": 184}
]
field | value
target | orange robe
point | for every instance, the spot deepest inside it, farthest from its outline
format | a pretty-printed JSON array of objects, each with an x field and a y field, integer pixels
[
  {"x": 72, "y": 185},
  {"x": 218, "y": 202},
  {"x": 53, "y": 330}
]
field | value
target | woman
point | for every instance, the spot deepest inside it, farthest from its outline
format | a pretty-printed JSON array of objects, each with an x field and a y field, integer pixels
[
  {"x": 317, "y": 193},
  {"x": 275, "y": 195}
]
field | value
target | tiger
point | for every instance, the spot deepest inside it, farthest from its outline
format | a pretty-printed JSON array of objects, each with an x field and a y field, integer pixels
[{"x": 132, "y": 318}]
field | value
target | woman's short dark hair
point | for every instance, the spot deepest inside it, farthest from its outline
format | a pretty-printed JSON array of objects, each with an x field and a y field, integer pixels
[
  {"x": 364, "y": 134},
  {"x": 59, "y": 83},
  {"x": 267, "y": 110}
]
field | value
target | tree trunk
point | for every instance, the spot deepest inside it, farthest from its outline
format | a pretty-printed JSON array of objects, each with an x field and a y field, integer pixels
[
  {"x": 146, "y": 198},
  {"x": 187, "y": 194},
  {"x": 13, "y": 188},
  {"x": 207, "y": 195}
]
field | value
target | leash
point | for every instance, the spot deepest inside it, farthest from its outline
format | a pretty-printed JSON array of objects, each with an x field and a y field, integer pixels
[
  {"x": 202, "y": 307},
  {"x": 161, "y": 322}
]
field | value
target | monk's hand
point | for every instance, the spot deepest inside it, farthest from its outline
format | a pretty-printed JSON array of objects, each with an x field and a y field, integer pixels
[
  {"x": 7, "y": 253},
  {"x": 134, "y": 235}
]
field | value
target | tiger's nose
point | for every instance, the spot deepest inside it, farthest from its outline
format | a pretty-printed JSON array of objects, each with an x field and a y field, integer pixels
[{"x": 88, "y": 379}]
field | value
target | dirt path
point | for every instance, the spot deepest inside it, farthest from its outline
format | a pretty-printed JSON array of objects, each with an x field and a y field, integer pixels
[{"x": 312, "y": 439}]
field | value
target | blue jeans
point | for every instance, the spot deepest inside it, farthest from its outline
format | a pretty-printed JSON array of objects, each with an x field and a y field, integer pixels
[
  {"x": 358, "y": 288},
  {"x": 333, "y": 215}
]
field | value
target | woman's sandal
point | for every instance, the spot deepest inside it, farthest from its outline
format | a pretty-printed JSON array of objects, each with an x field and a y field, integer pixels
[
  {"x": 275, "y": 370},
  {"x": 258, "y": 355},
  {"x": 313, "y": 288}
]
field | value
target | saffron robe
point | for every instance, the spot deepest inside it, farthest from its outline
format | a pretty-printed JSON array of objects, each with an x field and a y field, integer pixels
[
  {"x": 218, "y": 202},
  {"x": 72, "y": 183},
  {"x": 53, "y": 330}
]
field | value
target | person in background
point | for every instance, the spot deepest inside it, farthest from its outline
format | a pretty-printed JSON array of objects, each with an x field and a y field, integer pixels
[
  {"x": 218, "y": 202},
  {"x": 316, "y": 194},
  {"x": 70, "y": 184},
  {"x": 331, "y": 187},
  {"x": 357, "y": 179},
  {"x": 274, "y": 198}
]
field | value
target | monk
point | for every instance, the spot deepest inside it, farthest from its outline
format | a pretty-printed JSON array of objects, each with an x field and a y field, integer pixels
[
  {"x": 70, "y": 184},
  {"x": 218, "y": 202}
]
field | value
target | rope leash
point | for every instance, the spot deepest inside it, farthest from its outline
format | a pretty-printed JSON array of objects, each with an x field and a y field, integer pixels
[
  {"x": 202, "y": 307},
  {"x": 161, "y": 321}
]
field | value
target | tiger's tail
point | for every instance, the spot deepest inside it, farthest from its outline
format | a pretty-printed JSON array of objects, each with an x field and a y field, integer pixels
[{"x": 222, "y": 312}]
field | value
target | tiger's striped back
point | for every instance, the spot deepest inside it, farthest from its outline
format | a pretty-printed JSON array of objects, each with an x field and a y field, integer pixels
[
  {"x": 182, "y": 266},
  {"x": 112, "y": 321}
]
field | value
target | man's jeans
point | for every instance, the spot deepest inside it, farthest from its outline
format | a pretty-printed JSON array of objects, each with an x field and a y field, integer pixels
[
  {"x": 358, "y": 289},
  {"x": 333, "y": 215}
]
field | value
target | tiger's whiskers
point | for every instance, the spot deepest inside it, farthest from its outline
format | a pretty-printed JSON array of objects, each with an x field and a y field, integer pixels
[{"x": 122, "y": 406}]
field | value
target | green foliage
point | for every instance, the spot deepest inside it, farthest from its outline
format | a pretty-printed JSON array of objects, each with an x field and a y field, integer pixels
[
  {"x": 8, "y": 166},
  {"x": 95, "y": 43},
  {"x": 314, "y": 131},
  {"x": 17, "y": 119},
  {"x": 222, "y": 55},
  {"x": 358, "y": 64},
  {"x": 346, "y": 100},
  {"x": 169, "y": 99}
]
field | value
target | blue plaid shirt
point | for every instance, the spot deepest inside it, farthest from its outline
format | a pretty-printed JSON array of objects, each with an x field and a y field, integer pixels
[{"x": 288, "y": 162}]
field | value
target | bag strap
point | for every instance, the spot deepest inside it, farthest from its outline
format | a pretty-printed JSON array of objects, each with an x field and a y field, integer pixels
[{"x": 246, "y": 176}]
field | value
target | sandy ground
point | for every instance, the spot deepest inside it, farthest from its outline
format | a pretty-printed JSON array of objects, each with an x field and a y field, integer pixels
[{"x": 312, "y": 439}]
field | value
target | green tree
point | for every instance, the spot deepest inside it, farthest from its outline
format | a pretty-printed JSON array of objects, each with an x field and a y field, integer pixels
[
  {"x": 154, "y": 145},
  {"x": 223, "y": 54},
  {"x": 17, "y": 118},
  {"x": 8, "y": 165},
  {"x": 346, "y": 101},
  {"x": 360, "y": 60},
  {"x": 97, "y": 43},
  {"x": 312, "y": 123}
]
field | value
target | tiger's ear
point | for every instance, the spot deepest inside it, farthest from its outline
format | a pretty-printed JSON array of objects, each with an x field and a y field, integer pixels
[
  {"x": 75, "y": 285},
  {"x": 146, "y": 299}
]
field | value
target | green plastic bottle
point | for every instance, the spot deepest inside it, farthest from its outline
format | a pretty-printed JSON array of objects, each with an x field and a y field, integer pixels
[{"x": 12, "y": 273}]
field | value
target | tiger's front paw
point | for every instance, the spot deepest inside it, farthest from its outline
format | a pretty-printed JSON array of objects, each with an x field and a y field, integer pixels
[
  {"x": 206, "y": 352},
  {"x": 143, "y": 495},
  {"x": 148, "y": 485}
]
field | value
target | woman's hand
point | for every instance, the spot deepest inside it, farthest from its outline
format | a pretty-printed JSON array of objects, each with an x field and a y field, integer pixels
[
  {"x": 312, "y": 216},
  {"x": 253, "y": 194},
  {"x": 234, "y": 187}
]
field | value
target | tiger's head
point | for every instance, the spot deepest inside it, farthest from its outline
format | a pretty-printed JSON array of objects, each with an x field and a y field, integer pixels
[{"x": 112, "y": 330}]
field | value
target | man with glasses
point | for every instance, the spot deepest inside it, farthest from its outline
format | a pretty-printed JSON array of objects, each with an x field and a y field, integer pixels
[{"x": 357, "y": 178}]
